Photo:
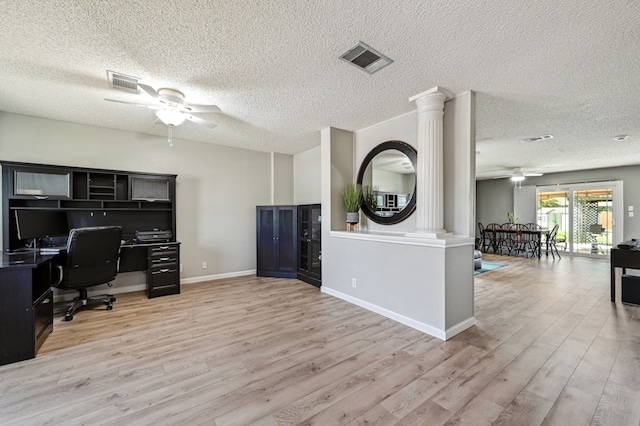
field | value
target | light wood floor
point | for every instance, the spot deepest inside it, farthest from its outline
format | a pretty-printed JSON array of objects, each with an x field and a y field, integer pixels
[{"x": 549, "y": 348}]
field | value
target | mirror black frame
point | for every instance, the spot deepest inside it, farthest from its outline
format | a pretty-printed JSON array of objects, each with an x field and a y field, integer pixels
[{"x": 412, "y": 154}]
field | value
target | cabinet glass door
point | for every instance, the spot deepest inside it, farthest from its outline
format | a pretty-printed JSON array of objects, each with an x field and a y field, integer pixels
[
  {"x": 40, "y": 184},
  {"x": 286, "y": 240}
]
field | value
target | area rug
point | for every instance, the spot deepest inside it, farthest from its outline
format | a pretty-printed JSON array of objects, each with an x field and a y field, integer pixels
[{"x": 488, "y": 266}]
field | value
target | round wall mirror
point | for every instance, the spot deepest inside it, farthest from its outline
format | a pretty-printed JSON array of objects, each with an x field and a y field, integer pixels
[{"x": 388, "y": 179}]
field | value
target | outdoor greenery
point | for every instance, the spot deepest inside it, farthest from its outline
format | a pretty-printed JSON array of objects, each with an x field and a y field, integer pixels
[
  {"x": 352, "y": 197},
  {"x": 551, "y": 202}
]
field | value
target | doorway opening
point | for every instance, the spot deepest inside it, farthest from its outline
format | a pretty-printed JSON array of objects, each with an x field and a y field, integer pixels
[{"x": 589, "y": 216}]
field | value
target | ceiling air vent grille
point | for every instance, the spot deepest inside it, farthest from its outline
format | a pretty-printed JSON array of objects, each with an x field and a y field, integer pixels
[
  {"x": 366, "y": 58},
  {"x": 123, "y": 82},
  {"x": 537, "y": 138}
]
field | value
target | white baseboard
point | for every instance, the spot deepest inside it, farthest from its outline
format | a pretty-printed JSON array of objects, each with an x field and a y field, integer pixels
[
  {"x": 460, "y": 327},
  {"x": 143, "y": 287},
  {"x": 420, "y": 326},
  {"x": 217, "y": 276}
]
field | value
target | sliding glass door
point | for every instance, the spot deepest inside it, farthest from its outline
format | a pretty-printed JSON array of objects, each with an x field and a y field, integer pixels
[{"x": 589, "y": 216}]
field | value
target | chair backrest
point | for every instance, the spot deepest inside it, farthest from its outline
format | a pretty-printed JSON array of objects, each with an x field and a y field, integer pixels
[
  {"x": 553, "y": 233},
  {"x": 92, "y": 256}
]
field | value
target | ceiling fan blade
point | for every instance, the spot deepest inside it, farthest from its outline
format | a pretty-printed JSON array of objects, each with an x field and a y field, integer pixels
[
  {"x": 131, "y": 103},
  {"x": 201, "y": 121},
  {"x": 533, "y": 174},
  {"x": 150, "y": 91},
  {"x": 201, "y": 108}
]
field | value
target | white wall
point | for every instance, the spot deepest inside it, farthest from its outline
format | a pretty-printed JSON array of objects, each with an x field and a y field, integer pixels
[
  {"x": 306, "y": 177},
  {"x": 217, "y": 187},
  {"x": 424, "y": 283},
  {"x": 282, "y": 169},
  {"x": 459, "y": 152},
  {"x": 403, "y": 128}
]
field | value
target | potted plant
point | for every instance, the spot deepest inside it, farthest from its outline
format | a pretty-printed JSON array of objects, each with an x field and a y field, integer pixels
[
  {"x": 352, "y": 197},
  {"x": 369, "y": 198}
]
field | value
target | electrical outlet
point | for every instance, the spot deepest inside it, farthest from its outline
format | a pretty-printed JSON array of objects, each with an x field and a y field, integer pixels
[
  {"x": 181, "y": 267},
  {"x": 204, "y": 265},
  {"x": 353, "y": 283}
]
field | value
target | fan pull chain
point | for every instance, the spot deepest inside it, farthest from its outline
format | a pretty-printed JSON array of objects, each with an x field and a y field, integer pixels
[{"x": 170, "y": 134}]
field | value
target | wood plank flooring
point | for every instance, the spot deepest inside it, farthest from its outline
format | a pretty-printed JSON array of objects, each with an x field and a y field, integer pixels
[{"x": 549, "y": 348}]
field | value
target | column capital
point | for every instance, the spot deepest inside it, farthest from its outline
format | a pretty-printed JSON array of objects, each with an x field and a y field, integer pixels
[{"x": 434, "y": 93}]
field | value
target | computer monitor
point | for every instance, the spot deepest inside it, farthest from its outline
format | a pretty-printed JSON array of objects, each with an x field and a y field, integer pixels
[{"x": 41, "y": 223}]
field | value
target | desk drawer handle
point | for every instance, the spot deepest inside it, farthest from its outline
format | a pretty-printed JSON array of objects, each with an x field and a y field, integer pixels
[
  {"x": 163, "y": 271},
  {"x": 41, "y": 197},
  {"x": 163, "y": 247}
]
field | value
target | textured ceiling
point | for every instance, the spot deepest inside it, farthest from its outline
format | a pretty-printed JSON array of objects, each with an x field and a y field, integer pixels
[{"x": 570, "y": 69}]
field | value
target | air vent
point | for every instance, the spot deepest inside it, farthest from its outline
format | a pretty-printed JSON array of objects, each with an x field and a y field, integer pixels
[
  {"x": 123, "y": 82},
  {"x": 537, "y": 138},
  {"x": 365, "y": 58}
]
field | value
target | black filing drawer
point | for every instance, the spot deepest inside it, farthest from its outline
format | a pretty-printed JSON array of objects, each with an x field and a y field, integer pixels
[
  {"x": 43, "y": 318},
  {"x": 163, "y": 269},
  {"x": 631, "y": 289}
]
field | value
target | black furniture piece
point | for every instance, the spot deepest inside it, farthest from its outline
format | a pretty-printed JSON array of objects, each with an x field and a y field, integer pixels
[
  {"x": 91, "y": 259},
  {"x": 310, "y": 244},
  {"x": 93, "y": 197},
  {"x": 163, "y": 269},
  {"x": 277, "y": 241},
  {"x": 623, "y": 258},
  {"x": 631, "y": 289},
  {"x": 88, "y": 197},
  {"x": 26, "y": 304}
]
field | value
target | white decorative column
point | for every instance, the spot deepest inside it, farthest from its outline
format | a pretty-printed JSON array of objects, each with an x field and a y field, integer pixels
[{"x": 429, "y": 173}]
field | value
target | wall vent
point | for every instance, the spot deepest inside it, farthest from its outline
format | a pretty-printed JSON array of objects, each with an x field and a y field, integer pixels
[
  {"x": 537, "y": 138},
  {"x": 123, "y": 82},
  {"x": 366, "y": 58}
]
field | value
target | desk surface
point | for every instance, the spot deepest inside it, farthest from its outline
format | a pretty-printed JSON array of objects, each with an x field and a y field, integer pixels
[
  {"x": 30, "y": 258},
  {"x": 23, "y": 259}
]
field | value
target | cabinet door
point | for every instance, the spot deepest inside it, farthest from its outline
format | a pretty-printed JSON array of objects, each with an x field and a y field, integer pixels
[
  {"x": 286, "y": 239},
  {"x": 151, "y": 188},
  {"x": 267, "y": 260},
  {"x": 277, "y": 241},
  {"x": 42, "y": 184},
  {"x": 309, "y": 244}
]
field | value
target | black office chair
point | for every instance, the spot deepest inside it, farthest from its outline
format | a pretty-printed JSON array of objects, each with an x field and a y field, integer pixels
[{"x": 92, "y": 259}]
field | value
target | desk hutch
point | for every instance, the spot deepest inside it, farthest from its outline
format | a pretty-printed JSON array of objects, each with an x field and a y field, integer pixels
[{"x": 89, "y": 197}]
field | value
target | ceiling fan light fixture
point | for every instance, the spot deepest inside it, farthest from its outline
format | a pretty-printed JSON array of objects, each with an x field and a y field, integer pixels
[
  {"x": 171, "y": 116},
  {"x": 517, "y": 178}
]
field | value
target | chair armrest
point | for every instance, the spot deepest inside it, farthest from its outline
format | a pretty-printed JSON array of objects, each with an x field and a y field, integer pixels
[{"x": 60, "y": 270}]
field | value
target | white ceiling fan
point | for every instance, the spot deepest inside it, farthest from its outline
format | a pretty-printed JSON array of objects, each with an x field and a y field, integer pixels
[
  {"x": 518, "y": 175},
  {"x": 171, "y": 109}
]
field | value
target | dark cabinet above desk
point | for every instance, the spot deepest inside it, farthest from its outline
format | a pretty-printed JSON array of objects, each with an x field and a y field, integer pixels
[{"x": 90, "y": 197}]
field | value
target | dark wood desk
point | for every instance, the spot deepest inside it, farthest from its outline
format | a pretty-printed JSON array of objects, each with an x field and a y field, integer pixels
[
  {"x": 622, "y": 258},
  {"x": 26, "y": 304}
]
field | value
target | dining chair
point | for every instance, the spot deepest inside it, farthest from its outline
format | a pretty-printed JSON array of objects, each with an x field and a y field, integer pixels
[
  {"x": 552, "y": 241},
  {"x": 491, "y": 237},
  {"x": 522, "y": 241},
  {"x": 481, "y": 237}
]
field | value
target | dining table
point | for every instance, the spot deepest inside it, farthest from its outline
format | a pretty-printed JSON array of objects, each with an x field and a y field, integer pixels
[{"x": 494, "y": 237}]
